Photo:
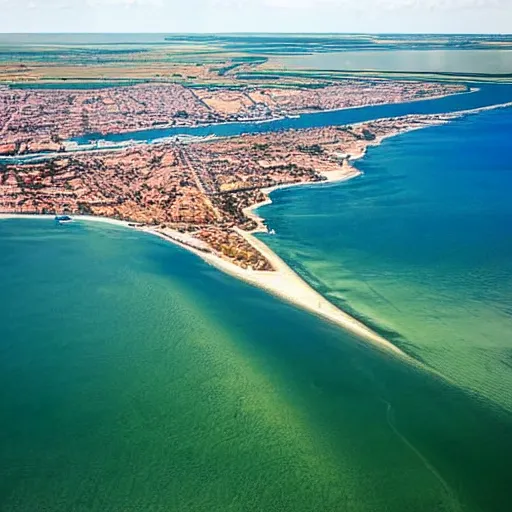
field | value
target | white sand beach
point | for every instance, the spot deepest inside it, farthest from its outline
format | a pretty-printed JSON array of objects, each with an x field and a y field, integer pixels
[{"x": 283, "y": 282}]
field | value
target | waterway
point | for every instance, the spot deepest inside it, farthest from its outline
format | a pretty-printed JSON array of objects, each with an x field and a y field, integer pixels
[
  {"x": 486, "y": 95},
  {"x": 133, "y": 376}
]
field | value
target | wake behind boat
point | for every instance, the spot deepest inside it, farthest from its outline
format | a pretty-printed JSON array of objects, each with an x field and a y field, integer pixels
[{"x": 63, "y": 219}]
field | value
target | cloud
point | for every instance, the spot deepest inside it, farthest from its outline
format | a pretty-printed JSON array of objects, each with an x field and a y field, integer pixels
[
  {"x": 461, "y": 16},
  {"x": 437, "y": 4},
  {"x": 292, "y": 5},
  {"x": 364, "y": 4},
  {"x": 125, "y": 3},
  {"x": 58, "y": 4}
]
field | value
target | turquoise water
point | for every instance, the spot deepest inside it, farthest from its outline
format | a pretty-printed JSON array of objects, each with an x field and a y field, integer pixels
[
  {"x": 419, "y": 247},
  {"x": 133, "y": 376}
]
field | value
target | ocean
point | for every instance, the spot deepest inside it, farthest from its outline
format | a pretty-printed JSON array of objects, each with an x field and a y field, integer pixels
[
  {"x": 419, "y": 247},
  {"x": 133, "y": 376}
]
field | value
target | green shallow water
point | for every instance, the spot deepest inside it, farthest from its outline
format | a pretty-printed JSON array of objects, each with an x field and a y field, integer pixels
[{"x": 133, "y": 376}]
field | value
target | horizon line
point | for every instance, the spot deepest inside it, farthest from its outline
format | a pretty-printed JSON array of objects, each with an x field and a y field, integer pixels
[{"x": 263, "y": 32}]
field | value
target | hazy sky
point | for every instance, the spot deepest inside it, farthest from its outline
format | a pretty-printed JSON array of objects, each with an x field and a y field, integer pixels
[{"x": 486, "y": 16}]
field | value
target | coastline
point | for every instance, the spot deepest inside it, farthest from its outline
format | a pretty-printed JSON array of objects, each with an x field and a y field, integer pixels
[
  {"x": 348, "y": 171},
  {"x": 283, "y": 282},
  {"x": 72, "y": 148},
  {"x": 470, "y": 90},
  {"x": 331, "y": 177}
]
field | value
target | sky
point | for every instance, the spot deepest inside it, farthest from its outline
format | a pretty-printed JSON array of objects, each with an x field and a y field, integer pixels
[{"x": 409, "y": 16}]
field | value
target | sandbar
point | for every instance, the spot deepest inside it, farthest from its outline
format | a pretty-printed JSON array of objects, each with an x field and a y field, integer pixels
[{"x": 283, "y": 282}]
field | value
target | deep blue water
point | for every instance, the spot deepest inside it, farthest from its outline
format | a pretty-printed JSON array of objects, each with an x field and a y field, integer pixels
[{"x": 419, "y": 247}]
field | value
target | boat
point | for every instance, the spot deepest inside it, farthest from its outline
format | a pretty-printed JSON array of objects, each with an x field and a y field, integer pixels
[{"x": 63, "y": 219}]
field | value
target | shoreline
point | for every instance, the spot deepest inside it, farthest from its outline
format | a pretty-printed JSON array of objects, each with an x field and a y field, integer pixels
[
  {"x": 350, "y": 171},
  {"x": 331, "y": 177},
  {"x": 283, "y": 282},
  {"x": 469, "y": 90},
  {"x": 73, "y": 148}
]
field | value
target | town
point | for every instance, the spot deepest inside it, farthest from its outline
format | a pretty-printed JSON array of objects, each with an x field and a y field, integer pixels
[
  {"x": 36, "y": 120},
  {"x": 198, "y": 194}
]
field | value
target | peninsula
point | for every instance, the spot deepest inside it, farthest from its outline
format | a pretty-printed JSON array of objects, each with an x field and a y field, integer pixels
[
  {"x": 200, "y": 194},
  {"x": 43, "y": 120}
]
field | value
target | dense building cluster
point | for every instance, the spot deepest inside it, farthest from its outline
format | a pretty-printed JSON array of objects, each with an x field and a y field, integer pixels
[
  {"x": 38, "y": 120},
  {"x": 201, "y": 189}
]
